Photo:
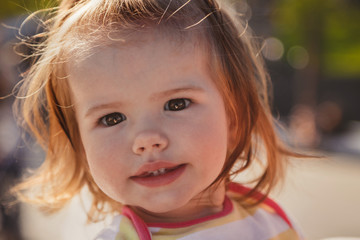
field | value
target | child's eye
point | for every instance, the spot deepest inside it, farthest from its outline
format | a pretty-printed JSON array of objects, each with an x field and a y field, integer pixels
[
  {"x": 177, "y": 104},
  {"x": 112, "y": 119}
]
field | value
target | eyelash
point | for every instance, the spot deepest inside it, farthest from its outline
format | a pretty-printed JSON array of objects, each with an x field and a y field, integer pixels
[{"x": 115, "y": 118}]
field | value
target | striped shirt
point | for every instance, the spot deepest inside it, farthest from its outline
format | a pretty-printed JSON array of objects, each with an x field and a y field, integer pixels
[{"x": 264, "y": 221}]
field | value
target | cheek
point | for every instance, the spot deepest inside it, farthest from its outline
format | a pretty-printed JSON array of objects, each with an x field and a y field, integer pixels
[
  {"x": 108, "y": 168},
  {"x": 207, "y": 139},
  {"x": 104, "y": 153}
]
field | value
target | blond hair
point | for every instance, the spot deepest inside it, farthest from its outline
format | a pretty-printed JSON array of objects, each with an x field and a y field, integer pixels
[{"x": 45, "y": 108}]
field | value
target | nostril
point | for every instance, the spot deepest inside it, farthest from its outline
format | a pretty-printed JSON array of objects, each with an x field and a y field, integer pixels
[{"x": 148, "y": 142}]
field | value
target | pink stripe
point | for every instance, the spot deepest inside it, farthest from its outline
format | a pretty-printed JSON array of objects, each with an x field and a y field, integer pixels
[
  {"x": 235, "y": 187},
  {"x": 138, "y": 223},
  {"x": 228, "y": 207}
]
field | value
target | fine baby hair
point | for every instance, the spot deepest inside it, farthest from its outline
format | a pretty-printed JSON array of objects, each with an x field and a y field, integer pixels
[{"x": 79, "y": 30}]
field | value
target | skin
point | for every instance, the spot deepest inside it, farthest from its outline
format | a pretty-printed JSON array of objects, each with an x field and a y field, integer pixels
[{"x": 136, "y": 83}]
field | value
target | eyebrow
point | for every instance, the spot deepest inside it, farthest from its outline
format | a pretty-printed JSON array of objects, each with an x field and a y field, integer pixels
[
  {"x": 155, "y": 96},
  {"x": 174, "y": 91},
  {"x": 96, "y": 108}
]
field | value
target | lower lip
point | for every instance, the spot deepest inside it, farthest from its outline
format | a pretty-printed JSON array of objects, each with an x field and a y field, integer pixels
[{"x": 160, "y": 180}]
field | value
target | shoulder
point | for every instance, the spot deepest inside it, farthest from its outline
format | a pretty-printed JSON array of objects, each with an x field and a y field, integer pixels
[{"x": 267, "y": 217}]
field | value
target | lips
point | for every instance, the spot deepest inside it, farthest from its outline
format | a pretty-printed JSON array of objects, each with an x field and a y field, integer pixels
[{"x": 158, "y": 174}]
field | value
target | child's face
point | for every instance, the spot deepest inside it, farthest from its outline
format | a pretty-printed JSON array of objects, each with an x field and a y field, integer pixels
[{"x": 152, "y": 123}]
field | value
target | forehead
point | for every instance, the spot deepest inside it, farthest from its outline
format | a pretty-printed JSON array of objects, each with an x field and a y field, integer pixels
[
  {"x": 151, "y": 60},
  {"x": 133, "y": 50},
  {"x": 129, "y": 45},
  {"x": 83, "y": 41}
]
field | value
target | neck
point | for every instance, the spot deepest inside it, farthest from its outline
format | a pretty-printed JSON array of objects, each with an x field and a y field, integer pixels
[{"x": 204, "y": 204}]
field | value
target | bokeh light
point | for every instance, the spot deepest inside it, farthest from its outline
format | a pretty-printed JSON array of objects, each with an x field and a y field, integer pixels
[
  {"x": 273, "y": 49},
  {"x": 298, "y": 57}
]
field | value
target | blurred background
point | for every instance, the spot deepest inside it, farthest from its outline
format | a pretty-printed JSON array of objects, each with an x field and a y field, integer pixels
[{"x": 312, "y": 51}]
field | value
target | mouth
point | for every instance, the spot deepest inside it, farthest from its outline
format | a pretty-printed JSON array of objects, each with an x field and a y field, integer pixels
[
  {"x": 157, "y": 172},
  {"x": 160, "y": 176}
]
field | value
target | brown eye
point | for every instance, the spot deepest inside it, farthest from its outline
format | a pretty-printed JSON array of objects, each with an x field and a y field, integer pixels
[
  {"x": 177, "y": 104},
  {"x": 112, "y": 119}
]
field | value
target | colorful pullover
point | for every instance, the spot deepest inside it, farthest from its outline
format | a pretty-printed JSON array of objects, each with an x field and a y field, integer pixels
[{"x": 264, "y": 221}]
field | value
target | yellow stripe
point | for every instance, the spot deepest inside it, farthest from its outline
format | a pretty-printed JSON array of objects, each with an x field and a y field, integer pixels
[
  {"x": 289, "y": 234},
  {"x": 126, "y": 230}
]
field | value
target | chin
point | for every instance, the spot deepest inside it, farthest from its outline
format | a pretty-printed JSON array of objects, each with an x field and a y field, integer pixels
[
  {"x": 165, "y": 205},
  {"x": 163, "y": 208}
]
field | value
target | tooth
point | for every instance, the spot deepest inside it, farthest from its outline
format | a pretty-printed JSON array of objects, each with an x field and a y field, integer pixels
[{"x": 157, "y": 172}]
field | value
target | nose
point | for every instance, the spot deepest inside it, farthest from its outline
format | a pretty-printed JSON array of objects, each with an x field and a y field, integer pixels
[{"x": 149, "y": 142}]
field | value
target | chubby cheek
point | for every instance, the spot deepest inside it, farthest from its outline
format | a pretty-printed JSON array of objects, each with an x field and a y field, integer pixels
[
  {"x": 103, "y": 147},
  {"x": 108, "y": 177},
  {"x": 105, "y": 158},
  {"x": 207, "y": 141}
]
